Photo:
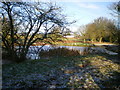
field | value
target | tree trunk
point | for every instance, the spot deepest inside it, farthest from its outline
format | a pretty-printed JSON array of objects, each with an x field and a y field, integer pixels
[
  {"x": 110, "y": 39},
  {"x": 84, "y": 40},
  {"x": 119, "y": 47},
  {"x": 92, "y": 40},
  {"x": 119, "y": 51},
  {"x": 12, "y": 31},
  {"x": 100, "y": 40}
]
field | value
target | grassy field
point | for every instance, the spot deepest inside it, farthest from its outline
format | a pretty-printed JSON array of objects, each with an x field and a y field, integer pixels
[
  {"x": 76, "y": 42},
  {"x": 73, "y": 42},
  {"x": 91, "y": 71}
]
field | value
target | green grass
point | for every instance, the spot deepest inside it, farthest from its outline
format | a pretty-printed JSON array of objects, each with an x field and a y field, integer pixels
[
  {"x": 75, "y": 39},
  {"x": 75, "y": 44}
]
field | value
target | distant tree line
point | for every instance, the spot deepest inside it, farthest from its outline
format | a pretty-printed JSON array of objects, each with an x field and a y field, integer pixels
[
  {"x": 115, "y": 12},
  {"x": 101, "y": 29}
]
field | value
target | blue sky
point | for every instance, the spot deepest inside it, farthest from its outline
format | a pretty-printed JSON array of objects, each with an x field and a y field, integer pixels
[{"x": 85, "y": 12}]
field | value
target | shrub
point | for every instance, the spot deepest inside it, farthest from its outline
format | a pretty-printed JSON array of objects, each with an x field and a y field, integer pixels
[
  {"x": 6, "y": 55},
  {"x": 56, "y": 52},
  {"x": 85, "y": 51}
]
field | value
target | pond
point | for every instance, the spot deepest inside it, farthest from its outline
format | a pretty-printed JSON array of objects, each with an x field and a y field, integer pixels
[{"x": 33, "y": 52}]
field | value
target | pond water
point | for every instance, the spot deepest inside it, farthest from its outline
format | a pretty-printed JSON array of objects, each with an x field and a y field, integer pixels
[{"x": 33, "y": 52}]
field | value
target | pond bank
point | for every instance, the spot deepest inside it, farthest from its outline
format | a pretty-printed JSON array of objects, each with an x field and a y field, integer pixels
[{"x": 33, "y": 52}]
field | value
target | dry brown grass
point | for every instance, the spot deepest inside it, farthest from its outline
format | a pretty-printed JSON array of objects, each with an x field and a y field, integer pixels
[{"x": 57, "y": 52}]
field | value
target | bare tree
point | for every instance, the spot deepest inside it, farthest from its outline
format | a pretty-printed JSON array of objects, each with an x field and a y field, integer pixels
[
  {"x": 25, "y": 22},
  {"x": 115, "y": 11}
]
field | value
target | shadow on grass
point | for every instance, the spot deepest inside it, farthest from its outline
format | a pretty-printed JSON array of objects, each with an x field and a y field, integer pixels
[
  {"x": 87, "y": 71},
  {"x": 113, "y": 58}
]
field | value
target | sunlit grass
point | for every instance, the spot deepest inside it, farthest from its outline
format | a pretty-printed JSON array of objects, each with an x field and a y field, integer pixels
[{"x": 74, "y": 44}]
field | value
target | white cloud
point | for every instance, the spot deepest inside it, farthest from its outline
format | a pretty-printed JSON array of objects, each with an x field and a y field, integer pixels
[{"x": 90, "y": 6}]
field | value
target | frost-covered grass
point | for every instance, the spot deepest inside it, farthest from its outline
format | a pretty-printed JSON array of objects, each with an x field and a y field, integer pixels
[{"x": 91, "y": 71}]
